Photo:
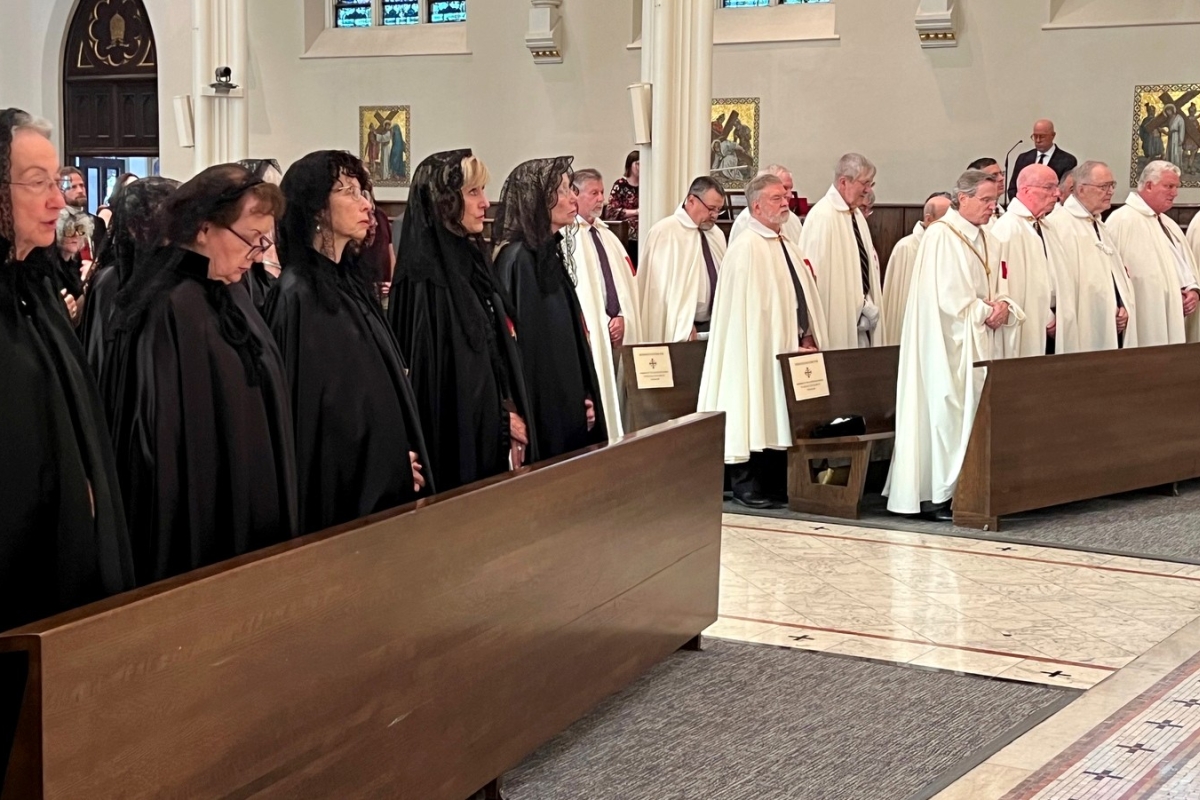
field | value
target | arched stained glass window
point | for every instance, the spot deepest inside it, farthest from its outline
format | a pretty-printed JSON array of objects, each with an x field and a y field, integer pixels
[{"x": 365, "y": 13}]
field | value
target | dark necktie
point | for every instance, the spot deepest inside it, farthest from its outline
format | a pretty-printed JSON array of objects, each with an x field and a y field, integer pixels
[
  {"x": 1163, "y": 225},
  {"x": 863, "y": 261},
  {"x": 1037, "y": 226},
  {"x": 1041, "y": 158},
  {"x": 612, "y": 303},
  {"x": 712, "y": 270},
  {"x": 801, "y": 303},
  {"x": 1120, "y": 302}
]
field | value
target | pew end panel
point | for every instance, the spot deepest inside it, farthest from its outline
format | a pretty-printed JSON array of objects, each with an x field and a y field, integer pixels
[
  {"x": 861, "y": 382},
  {"x": 415, "y": 654},
  {"x": 642, "y": 408}
]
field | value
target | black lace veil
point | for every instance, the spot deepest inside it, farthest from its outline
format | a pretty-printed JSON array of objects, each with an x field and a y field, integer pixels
[
  {"x": 132, "y": 229},
  {"x": 529, "y": 193}
]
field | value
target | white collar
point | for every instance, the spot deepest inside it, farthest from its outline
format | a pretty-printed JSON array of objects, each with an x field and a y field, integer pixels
[
  {"x": 836, "y": 200},
  {"x": 919, "y": 229},
  {"x": 1048, "y": 154},
  {"x": 1076, "y": 209},
  {"x": 762, "y": 230},
  {"x": 682, "y": 217},
  {"x": 962, "y": 224},
  {"x": 1139, "y": 205},
  {"x": 598, "y": 223}
]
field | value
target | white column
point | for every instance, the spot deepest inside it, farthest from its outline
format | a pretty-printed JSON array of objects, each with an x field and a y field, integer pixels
[
  {"x": 222, "y": 129},
  {"x": 677, "y": 38}
]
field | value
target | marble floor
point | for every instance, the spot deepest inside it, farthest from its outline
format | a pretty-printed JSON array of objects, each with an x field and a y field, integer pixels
[{"x": 1128, "y": 627}]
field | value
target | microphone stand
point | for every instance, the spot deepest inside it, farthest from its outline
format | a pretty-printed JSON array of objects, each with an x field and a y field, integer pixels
[{"x": 1007, "y": 177}]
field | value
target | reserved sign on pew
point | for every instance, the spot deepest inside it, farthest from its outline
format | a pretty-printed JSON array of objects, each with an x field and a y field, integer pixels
[
  {"x": 653, "y": 367},
  {"x": 808, "y": 376}
]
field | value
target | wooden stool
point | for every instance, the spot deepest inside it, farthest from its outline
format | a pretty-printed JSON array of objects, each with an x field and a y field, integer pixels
[{"x": 808, "y": 496}]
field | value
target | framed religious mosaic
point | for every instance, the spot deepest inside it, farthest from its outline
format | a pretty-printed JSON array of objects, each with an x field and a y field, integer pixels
[
  {"x": 734, "y": 151},
  {"x": 1166, "y": 126},
  {"x": 385, "y": 143}
]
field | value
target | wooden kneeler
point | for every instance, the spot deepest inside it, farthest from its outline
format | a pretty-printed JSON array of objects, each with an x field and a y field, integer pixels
[{"x": 807, "y": 495}]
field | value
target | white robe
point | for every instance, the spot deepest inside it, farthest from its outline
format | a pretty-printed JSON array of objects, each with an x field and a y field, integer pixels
[
  {"x": 622, "y": 270},
  {"x": 896, "y": 281},
  {"x": 791, "y": 229},
  {"x": 1089, "y": 276},
  {"x": 1029, "y": 264},
  {"x": 673, "y": 278},
  {"x": 753, "y": 321},
  {"x": 589, "y": 288},
  {"x": 1193, "y": 237},
  {"x": 938, "y": 388},
  {"x": 828, "y": 239},
  {"x": 1158, "y": 276}
]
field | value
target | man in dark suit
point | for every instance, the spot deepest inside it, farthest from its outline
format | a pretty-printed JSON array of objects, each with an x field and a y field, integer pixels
[{"x": 1044, "y": 152}]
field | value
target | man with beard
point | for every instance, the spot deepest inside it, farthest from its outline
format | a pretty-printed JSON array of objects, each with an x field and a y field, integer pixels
[{"x": 77, "y": 199}]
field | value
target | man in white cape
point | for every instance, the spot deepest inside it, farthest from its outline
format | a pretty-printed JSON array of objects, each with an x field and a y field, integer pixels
[
  {"x": 957, "y": 311},
  {"x": 899, "y": 271},
  {"x": 1029, "y": 257},
  {"x": 767, "y": 303},
  {"x": 1193, "y": 237},
  {"x": 679, "y": 264},
  {"x": 606, "y": 289},
  {"x": 1094, "y": 294},
  {"x": 792, "y": 226},
  {"x": 1158, "y": 258},
  {"x": 838, "y": 241}
]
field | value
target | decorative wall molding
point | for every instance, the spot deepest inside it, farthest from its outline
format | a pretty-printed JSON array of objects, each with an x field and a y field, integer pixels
[
  {"x": 544, "y": 37},
  {"x": 937, "y": 23}
]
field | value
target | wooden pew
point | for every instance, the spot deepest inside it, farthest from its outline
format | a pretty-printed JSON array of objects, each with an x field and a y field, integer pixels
[
  {"x": 861, "y": 382},
  {"x": 641, "y": 408},
  {"x": 415, "y": 654},
  {"x": 1057, "y": 429}
]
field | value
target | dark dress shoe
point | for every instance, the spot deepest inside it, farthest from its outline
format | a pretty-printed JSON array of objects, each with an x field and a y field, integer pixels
[
  {"x": 943, "y": 514},
  {"x": 753, "y": 500}
]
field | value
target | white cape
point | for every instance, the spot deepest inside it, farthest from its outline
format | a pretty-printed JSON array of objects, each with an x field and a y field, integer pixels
[
  {"x": 938, "y": 388},
  {"x": 673, "y": 278},
  {"x": 753, "y": 321},
  {"x": 1029, "y": 266},
  {"x": 828, "y": 239},
  {"x": 791, "y": 230},
  {"x": 589, "y": 288},
  {"x": 895, "y": 285},
  {"x": 1193, "y": 237},
  {"x": 1089, "y": 276},
  {"x": 1152, "y": 265}
]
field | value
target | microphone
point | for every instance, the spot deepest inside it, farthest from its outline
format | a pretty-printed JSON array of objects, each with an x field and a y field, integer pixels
[{"x": 1006, "y": 176}]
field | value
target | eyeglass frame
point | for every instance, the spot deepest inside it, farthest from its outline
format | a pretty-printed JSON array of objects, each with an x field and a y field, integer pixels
[
  {"x": 63, "y": 184},
  {"x": 265, "y": 243},
  {"x": 714, "y": 211},
  {"x": 1104, "y": 187}
]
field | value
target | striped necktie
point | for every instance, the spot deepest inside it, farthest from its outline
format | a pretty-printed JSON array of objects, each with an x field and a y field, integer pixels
[{"x": 863, "y": 261}]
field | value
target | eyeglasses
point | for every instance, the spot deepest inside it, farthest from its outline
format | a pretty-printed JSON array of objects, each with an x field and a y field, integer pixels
[
  {"x": 866, "y": 184},
  {"x": 715, "y": 211},
  {"x": 264, "y": 244},
  {"x": 351, "y": 191},
  {"x": 1104, "y": 187},
  {"x": 1045, "y": 187},
  {"x": 44, "y": 185}
]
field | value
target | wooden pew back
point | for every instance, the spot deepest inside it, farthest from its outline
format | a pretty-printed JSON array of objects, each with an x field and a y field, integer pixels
[
  {"x": 642, "y": 408},
  {"x": 415, "y": 654},
  {"x": 861, "y": 382},
  {"x": 1056, "y": 429}
]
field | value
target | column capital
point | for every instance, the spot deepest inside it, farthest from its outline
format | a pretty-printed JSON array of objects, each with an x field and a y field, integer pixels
[{"x": 937, "y": 23}]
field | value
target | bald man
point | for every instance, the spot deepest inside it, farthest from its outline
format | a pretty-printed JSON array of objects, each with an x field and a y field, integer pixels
[
  {"x": 900, "y": 265},
  {"x": 1044, "y": 151},
  {"x": 1029, "y": 258}
]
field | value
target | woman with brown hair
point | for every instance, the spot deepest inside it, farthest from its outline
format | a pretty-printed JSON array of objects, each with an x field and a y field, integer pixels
[
  {"x": 623, "y": 202},
  {"x": 197, "y": 393}
]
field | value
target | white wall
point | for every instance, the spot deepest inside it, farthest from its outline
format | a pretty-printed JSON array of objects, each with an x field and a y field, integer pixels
[{"x": 921, "y": 115}]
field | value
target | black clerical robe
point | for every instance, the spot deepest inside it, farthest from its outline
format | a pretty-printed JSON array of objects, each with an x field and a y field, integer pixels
[
  {"x": 555, "y": 355},
  {"x": 205, "y": 452},
  {"x": 63, "y": 538},
  {"x": 355, "y": 415},
  {"x": 466, "y": 374}
]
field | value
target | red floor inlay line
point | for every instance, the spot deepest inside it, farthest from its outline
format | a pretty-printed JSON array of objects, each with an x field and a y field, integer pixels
[
  {"x": 1192, "y": 578},
  {"x": 963, "y": 647}
]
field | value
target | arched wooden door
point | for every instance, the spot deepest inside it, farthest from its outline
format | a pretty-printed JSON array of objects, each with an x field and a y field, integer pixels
[{"x": 110, "y": 91}]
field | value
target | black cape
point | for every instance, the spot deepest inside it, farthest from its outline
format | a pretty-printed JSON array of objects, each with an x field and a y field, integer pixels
[
  {"x": 95, "y": 328},
  {"x": 258, "y": 282},
  {"x": 205, "y": 455},
  {"x": 555, "y": 355},
  {"x": 466, "y": 385},
  {"x": 355, "y": 416},
  {"x": 63, "y": 539}
]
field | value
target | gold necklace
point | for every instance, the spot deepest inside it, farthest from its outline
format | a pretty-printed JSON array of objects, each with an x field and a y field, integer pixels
[{"x": 983, "y": 259}]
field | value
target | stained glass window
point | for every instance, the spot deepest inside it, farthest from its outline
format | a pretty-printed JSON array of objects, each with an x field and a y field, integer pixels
[
  {"x": 744, "y": 3},
  {"x": 448, "y": 10},
  {"x": 404, "y": 12},
  {"x": 352, "y": 13}
]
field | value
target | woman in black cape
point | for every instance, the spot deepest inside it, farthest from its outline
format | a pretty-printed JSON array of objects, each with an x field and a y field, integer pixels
[
  {"x": 536, "y": 204},
  {"x": 63, "y": 539},
  {"x": 455, "y": 329},
  {"x": 196, "y": 390},
  {"x": 359, "y": 447},
  {"x": 264, "y": 272},
  {"x": 131, "y": 235}
]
